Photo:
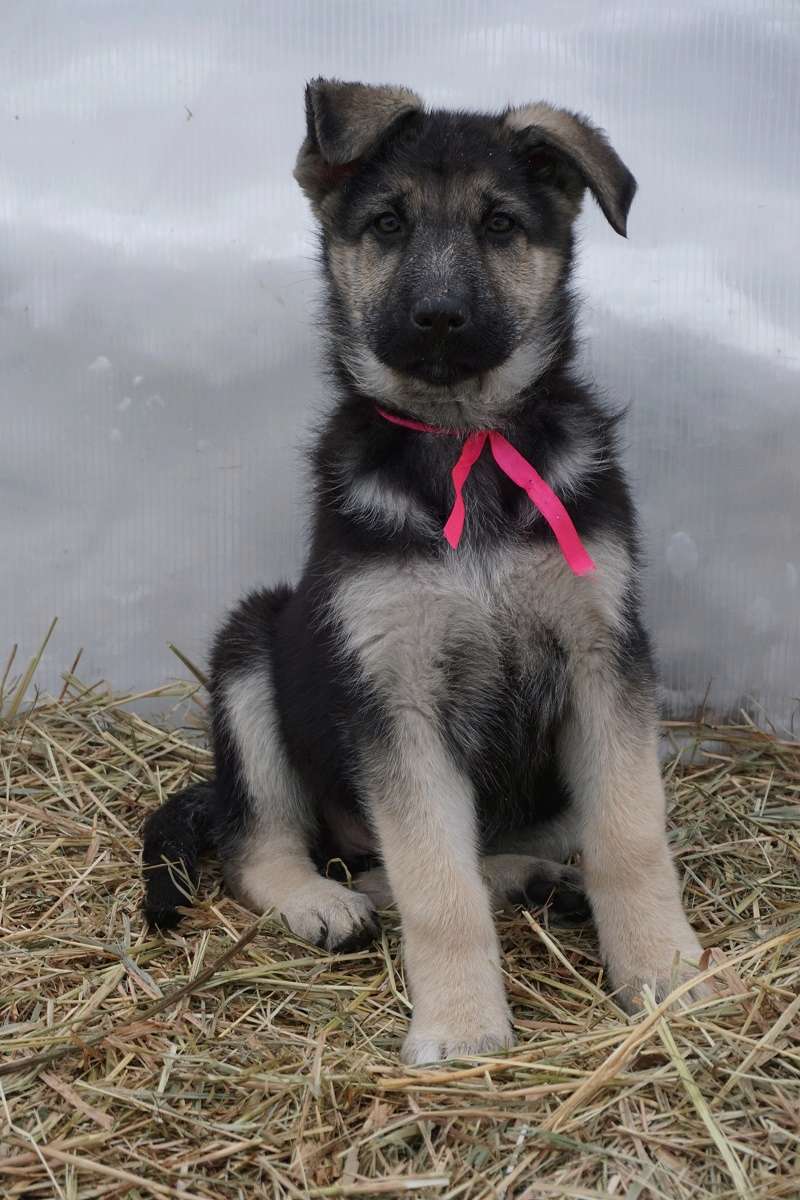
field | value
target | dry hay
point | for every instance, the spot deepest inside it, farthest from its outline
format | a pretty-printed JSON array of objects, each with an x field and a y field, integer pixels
[{"x": 214, "y": 1065}]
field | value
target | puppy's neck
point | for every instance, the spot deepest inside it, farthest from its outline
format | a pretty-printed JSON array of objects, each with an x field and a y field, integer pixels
[{"x": 394, "y": 484}]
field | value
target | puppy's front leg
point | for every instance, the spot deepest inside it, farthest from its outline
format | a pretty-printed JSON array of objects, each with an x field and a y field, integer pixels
[
  {"x": 423, "y": 810},
  {"x": 609, "y": 756}
]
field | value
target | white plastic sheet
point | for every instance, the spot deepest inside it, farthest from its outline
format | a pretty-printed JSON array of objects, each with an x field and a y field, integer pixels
[{"x": 158, "y": 336}]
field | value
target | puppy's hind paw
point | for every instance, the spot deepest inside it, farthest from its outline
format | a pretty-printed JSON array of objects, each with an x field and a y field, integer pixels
[
  {"x": 328, "y": 914},
  {"x": 566, "y": 899},
  {"x": 519, "y": 879}
]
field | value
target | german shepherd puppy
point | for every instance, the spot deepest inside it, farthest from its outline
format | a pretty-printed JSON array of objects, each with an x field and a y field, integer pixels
[{"x": 465, "y": 718}]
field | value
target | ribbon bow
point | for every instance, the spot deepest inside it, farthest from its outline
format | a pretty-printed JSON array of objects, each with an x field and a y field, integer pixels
[{"x": 520, "y": 471}]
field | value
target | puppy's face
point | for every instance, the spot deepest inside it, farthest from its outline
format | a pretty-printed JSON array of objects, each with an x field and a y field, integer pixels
[{"x": 447, "y": 240}]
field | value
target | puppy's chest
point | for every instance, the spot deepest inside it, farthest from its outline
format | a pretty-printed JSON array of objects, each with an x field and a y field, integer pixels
[{"x": 428, "y": 630}]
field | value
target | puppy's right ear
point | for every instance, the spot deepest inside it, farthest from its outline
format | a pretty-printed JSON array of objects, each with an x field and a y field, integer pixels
[{"x": 343, "y": 122}]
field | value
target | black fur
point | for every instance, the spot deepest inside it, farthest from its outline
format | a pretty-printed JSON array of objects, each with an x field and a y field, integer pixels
[
  {"x": 176, "y": 835},
  {"x": 567, "y": 903}
]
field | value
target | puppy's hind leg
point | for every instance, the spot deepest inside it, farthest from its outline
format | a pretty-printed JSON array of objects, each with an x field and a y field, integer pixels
[
  {"x": 556, "y": 839},
  {"x": 511, "y": 879},
  {"x": 266, "y": 853}
]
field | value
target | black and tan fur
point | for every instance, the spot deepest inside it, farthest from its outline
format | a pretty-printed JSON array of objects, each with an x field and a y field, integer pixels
[{"x": 459, "y": 722}]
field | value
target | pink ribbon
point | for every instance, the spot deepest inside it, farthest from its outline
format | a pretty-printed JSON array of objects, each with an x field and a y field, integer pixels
[{"x": 520, "y": 471}]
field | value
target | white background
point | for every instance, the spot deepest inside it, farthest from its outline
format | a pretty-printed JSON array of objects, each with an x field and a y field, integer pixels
[{"x": 158, "y": 335}]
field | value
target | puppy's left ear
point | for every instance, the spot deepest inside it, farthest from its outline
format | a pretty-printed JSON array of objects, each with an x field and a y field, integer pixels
[{"x": 546, "y": 132}]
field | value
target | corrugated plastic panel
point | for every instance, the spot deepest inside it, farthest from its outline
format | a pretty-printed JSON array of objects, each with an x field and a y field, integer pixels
[{"x": 158, "y": 342}]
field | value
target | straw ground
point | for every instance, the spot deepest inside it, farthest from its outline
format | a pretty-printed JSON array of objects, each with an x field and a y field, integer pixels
[{"x": 230, "y": 1060}]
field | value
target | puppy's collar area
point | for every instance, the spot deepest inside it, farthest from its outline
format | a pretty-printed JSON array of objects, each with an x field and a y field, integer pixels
[{"x": 520, "y": 472}]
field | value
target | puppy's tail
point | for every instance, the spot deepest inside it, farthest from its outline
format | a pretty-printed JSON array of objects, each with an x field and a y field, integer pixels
[{"x": 175, "y": 836}]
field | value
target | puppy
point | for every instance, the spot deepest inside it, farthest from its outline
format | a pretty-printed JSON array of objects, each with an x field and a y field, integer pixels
[{"x": 459, "y": 690}]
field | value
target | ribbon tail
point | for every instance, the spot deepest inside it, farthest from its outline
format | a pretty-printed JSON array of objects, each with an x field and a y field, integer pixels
[
  {"x": 470, "y": 453},
  {"x": 518, "y": 469}
]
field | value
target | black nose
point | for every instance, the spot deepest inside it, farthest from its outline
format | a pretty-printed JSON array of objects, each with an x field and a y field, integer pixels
[{"x": 440, "y": 316}]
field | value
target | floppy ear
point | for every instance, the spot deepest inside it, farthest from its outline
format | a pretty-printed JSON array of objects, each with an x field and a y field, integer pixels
[
  {"x": 548, "y": 131},
  {"x": 343, "y": 122}
]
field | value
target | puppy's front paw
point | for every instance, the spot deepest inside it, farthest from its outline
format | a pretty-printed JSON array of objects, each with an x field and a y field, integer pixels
[
  {"x": 328, "y": 914},
  {"x": 655, "y": 967},
  {"x": 467, "y": 1031},
  {"x": 429, "y": 1044}
]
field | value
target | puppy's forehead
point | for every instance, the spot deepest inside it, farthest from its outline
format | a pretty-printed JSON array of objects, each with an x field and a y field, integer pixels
[
  {"x": 446, "y": 164},
  {"x": 462, "y": 194}
]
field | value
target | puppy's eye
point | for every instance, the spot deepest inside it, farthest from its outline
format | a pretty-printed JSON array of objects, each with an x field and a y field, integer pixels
[
  {"x": 387, "y": 225},
  {"x": 499, "y": 224}
]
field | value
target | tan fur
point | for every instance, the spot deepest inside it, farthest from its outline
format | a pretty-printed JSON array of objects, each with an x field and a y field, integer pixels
[
  {"x": 347, "y": 119},
  {"x": 276, "y": 871},
  {"x": 505, "y": 875},
  {"x": 363, "y": 112},
  {"x": 610, "y": 759},
  {"x": 475, "y": 402},
  {"x": 395, "y": 623},
  {"x": 363, "y": 274},
  {"x": 609, "y": 755},
  {"x": 397, "y": 620},
  {"x": 527, "y": 276},
  {"x": 422, "y": 809},
  {"x": 423, "y": 814},
  {"x": 595, "y": 158},
  {"x": 555, "y": 840}
]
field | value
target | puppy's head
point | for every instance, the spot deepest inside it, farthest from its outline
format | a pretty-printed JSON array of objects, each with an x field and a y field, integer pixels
[{"x": 448, "y": 240}]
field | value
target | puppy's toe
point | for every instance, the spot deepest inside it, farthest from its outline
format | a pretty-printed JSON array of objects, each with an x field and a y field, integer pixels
[
  {"x": 631, "y": 996},
  {"x": 660, "y": 971},
  {"x": 567, "y": 900},
  {"x": 425, "y": 1047},
  {"x": 557, "y": 886},
  {"x": 329, "y": 915},
  {"x": 459, "y": 1021}
]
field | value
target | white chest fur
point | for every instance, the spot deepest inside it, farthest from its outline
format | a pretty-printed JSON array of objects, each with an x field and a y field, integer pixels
[{"x": 400, "y": 620}]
